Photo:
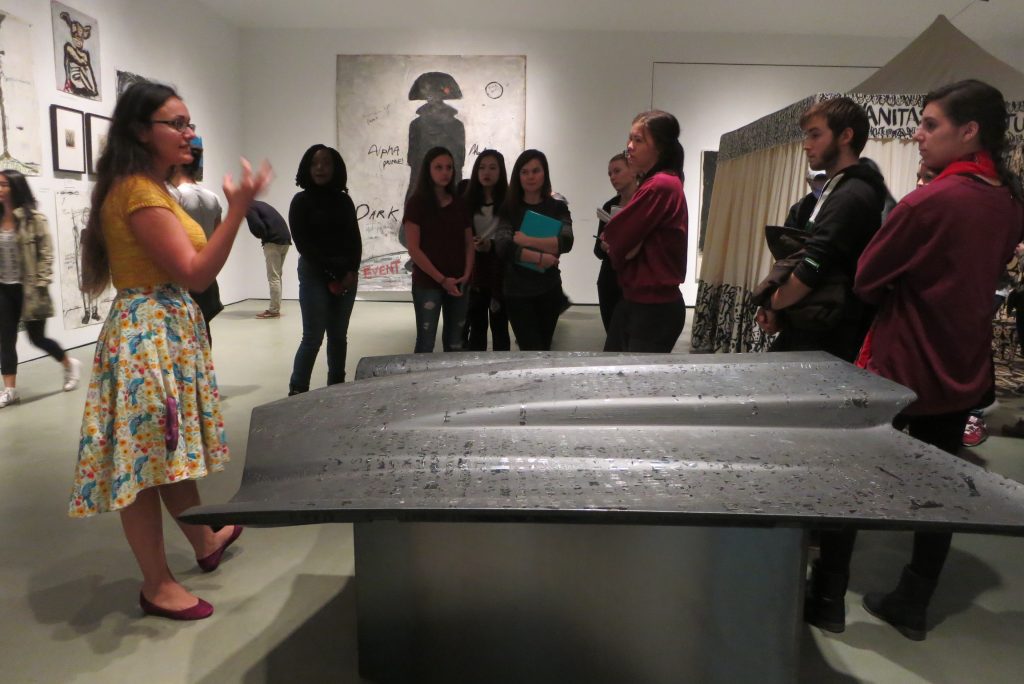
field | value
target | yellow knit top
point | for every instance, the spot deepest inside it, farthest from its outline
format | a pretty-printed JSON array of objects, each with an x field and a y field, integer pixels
[{"x": 129, "y": 264}]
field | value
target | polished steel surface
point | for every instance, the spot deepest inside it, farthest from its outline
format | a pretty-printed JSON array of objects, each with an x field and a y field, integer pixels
[{"x": 799, "y": 439}]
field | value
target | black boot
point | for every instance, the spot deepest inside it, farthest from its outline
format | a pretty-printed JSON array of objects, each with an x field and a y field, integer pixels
[
  {"x": 824, "y": 600},
  {"x": 906, "y": 607}
]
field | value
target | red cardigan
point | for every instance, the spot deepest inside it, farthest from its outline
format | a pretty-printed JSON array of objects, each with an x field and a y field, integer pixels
[
  {"x": 932, "y": 269},
  {"x": 656, "y": 218}
]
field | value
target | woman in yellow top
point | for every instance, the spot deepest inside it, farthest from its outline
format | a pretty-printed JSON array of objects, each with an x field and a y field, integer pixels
[{"x": 152, "y": 423}]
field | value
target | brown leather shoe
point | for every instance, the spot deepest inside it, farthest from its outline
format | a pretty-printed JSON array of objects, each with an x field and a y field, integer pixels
[{"x": 268, "y": 314}]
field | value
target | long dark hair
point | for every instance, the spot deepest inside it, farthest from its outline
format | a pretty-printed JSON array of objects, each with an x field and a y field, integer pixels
[
  {"x": 424, "y": 189},
  {"x": 974, "y": 100},
  {"x": 123, "y": 155},
  {"x": 514, "y": 197},
  {"x": 21, "y": 193},
  {"x": 339, "y": 179},
  {"x": 474, "y": 194},
  {"x": 664, "y": 131}
]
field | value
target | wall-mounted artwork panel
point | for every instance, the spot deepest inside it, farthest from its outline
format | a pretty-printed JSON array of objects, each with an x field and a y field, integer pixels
[
  {"x": 19, "y": 118},
  {"x": 392, "y": 109},
  {"x": 126, "y": 79},
  {"x": 72, "y": 215},
  {"x": 96, "y": 129},
  {"x": 76, "y": 52}
]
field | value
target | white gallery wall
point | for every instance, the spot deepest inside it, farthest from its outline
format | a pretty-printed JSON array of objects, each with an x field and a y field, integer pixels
[
  {"x": 177, "y": 42},
  {"x": 582, "y": 90},
  {"x": 269, "y": 93}
]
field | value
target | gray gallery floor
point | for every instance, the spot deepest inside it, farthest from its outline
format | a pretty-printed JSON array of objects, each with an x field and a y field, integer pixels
[{"x": 285, "y": 597}]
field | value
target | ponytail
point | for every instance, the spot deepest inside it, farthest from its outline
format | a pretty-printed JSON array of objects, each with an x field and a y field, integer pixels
[{"x": 973, "y": 100}]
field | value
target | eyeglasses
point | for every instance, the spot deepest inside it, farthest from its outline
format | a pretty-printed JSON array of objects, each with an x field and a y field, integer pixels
[{"x": 178, "y": 124}]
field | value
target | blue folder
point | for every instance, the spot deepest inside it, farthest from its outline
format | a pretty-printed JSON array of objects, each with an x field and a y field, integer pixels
[{"x": 539, "y": 226}]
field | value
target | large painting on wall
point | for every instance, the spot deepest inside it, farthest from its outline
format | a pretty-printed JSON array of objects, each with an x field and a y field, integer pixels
[
  {"x": 392, "y": 109},
  {"x": 76, "y": 51},
  {"x": 19, "y": 115}
]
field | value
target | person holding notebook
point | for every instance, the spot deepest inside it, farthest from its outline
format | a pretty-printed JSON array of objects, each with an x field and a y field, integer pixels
[{"x": 534, "y": 229}]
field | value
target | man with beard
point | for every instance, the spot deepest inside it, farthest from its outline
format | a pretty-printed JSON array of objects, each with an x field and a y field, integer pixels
[{"x": 846, "y": 216}]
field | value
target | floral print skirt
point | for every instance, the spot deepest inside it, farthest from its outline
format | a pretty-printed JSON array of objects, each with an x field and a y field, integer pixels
[{"x": 152, "y": 414}]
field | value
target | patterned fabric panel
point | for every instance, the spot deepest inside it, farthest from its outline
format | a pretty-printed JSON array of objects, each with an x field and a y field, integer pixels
[{"x": 724, "y": 321}]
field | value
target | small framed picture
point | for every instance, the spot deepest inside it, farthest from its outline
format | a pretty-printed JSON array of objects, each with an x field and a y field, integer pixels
[
  {"x": 96, "y": 128},
  {"x": 68, "y": 139}
]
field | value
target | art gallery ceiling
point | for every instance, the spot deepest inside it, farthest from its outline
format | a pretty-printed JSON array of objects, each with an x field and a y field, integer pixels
[{"x": 995, "y": 20}]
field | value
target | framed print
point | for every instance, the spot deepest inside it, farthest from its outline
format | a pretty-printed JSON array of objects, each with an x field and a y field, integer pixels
[
  {"x": 96, "y": 128},
  {"x": 68, "y": 143}
]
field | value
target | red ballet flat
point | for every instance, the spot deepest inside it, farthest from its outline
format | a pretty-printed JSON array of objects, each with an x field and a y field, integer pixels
[
  {"x": 199, "y": 611},
  {"x": 210, "y": 563}
]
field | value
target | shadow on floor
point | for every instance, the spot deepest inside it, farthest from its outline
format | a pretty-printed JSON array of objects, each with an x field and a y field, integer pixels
[
  {"x": 322, "y": 647},
  {"x": 813, "y": 665},
  {"x": 233, "y": 391}
]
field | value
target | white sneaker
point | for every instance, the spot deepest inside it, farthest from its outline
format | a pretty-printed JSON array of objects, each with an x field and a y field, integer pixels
[
  {"x": 9, "y": 395},
  {"x": 72, "y": 372}
]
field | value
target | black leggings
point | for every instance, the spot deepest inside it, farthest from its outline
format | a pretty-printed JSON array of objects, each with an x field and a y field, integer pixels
[
  {"x": 10, "y": 313},
  {"x": 533, "y": 319},
  {"x": 476, "y": 322},
  {"x": 639, "y": 327},
  {"x": 945, "y": 431}
]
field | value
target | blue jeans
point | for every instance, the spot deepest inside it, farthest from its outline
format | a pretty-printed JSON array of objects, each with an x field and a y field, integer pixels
[
  {"x": 429, "y": 305},
  {"x": 321, "y": 312}
]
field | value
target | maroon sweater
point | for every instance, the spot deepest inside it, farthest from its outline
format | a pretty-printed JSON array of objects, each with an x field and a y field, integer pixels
[
  {"x": 442, "y": 238},
  {"x": 932, "y": 269},
  {"x": 656, "y": 218}
]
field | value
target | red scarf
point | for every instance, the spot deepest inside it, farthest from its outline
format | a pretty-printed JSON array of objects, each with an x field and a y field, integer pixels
[{"x": 978, "y": 164}]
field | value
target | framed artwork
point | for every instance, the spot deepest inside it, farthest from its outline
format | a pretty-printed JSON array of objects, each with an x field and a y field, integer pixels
[
  {"x": 68, "y": 144},
  {"x": 96, "y": 128},
  {"x": 76, "y": 51}
]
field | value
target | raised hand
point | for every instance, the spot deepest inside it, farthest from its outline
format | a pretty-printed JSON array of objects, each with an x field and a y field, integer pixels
[{"x": 250, "y": 186}]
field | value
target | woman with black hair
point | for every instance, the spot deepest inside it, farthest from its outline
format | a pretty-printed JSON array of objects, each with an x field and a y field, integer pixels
[
  {"x": 26, "y": 269},
  {"x": 646, "y": 241},
  {"x": 440, "y": 242},
  {"x": 484, "y": 194},
  {"x": 532, "y": 285},
  {"x": 152, "y": 424},
  {"x": 931, "y": 270},
  {"x": 326, "y": 234}
]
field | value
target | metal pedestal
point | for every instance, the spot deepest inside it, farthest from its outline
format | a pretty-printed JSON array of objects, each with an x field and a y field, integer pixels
[{"x": 519, "y": 602}]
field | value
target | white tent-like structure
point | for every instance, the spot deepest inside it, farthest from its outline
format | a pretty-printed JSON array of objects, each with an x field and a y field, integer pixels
[{"x": 761, "y": 169}]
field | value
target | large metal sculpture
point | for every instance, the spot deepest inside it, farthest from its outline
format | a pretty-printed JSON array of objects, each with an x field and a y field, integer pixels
[{"x": 673, "y": 488}]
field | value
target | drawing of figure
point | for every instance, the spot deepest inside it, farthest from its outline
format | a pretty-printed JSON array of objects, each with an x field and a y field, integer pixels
[
  {"x": 89, "y": 308},
  {"x": 7, "y": 160},
  {"x": 78, "y": 75},
  {"x": 434, "y": 126}
]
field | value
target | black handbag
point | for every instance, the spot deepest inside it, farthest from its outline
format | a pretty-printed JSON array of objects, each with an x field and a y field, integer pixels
[{"x": 820, "y": 310}]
